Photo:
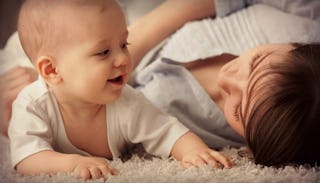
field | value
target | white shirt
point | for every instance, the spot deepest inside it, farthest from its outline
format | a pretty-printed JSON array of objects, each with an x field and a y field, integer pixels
[{"x": 37, "y": 125}]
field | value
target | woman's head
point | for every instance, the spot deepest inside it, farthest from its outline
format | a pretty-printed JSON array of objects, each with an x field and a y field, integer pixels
[{"x": 279, "y": 106}]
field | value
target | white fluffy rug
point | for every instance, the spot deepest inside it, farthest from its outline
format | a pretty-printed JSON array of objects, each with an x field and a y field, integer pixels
[{"x": 167, "y": 170}]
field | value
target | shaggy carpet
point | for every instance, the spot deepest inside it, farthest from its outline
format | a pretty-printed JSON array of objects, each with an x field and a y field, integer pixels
[{"x": 143, "y": 169}]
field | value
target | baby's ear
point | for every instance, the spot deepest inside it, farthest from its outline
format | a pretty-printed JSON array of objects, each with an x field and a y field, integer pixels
[{"x": 47, "y": 69}]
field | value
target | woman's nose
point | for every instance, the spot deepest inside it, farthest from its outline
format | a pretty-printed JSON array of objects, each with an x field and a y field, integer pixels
[
  {"x": 231, "y": 68},
  {"x": 231, "y": 80},
  {"x": 232, "y": 84}
]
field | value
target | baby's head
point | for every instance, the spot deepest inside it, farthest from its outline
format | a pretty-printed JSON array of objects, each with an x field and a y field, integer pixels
[
  {"x": 77, "y": 45},
  {"x": 47, "y": 26}
]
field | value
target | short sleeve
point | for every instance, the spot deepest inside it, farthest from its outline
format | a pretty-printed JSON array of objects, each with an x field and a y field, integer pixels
[
  {"x": 29, "y": 133},
  {"x": 151, "y": 127}
]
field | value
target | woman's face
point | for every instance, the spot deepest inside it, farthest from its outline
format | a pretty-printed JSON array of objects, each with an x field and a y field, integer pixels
[{"x": 236, "y": 74}]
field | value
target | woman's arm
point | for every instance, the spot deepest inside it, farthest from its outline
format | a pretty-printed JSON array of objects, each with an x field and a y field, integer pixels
[{"x": 154, "y": 27}]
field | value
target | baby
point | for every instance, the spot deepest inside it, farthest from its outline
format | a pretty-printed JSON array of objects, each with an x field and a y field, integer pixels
[{"x": 80, "y": 112}]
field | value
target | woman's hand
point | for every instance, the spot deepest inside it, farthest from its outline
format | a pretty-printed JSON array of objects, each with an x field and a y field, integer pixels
[
  {"x": 11, "y": 83},
  {"x": 93, "y": 168},
  {"x": 205, "y": 156}
]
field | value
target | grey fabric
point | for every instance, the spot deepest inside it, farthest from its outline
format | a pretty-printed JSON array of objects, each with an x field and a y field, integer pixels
[
  {"x": 174, "y": 90},
  {"x": 226, "y": 7},
  {"x": 304, "y": 8}
]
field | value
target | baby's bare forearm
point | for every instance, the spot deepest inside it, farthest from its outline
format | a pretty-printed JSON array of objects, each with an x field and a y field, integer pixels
[
  {"x": 51, "y": 162},
  {"x": 188, "y": 142},
  {"x": 47, "y": 162},
  {"x": 192, "y": 151}
]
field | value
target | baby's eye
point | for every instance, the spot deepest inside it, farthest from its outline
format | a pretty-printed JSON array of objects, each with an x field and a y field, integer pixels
[{"x": 105, "y": 52}]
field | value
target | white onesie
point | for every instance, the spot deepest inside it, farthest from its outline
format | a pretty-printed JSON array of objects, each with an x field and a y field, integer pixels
[{"x": 37, "y": 125}]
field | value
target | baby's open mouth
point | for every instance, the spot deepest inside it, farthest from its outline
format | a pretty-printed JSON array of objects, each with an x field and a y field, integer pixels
[{"x": 117, "y": 80}]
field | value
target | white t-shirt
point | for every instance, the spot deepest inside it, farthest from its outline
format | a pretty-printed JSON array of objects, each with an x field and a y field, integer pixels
[{"x": 37, "y": 125}]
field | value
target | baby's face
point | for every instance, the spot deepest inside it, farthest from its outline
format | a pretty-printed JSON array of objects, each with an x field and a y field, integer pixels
[{"x": 94, "y": 63}]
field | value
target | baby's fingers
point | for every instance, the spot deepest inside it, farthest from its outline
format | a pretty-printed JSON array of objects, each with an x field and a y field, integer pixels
[
  {"x": 187, "y": 164},
  {"x": 196, "y": 161},
  {"x": 221, "y": 159},
  {"x": 108, "y": 170},
  {"x": 82, "y": 173},
  {"x": 95, "y": 172},
  {"x": 210, "y": 160}
]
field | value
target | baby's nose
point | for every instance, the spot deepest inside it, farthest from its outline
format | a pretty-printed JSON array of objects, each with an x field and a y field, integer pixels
[{"x": 121, "y": 60}]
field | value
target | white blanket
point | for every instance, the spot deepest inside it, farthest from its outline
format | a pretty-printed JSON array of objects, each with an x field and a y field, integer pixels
[{"x": 139, "y": 170}]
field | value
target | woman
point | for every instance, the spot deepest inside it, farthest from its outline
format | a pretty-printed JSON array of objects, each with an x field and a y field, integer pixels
[
  {"x": 197, "y": 90},
  {"x": 227, "y": 97}
]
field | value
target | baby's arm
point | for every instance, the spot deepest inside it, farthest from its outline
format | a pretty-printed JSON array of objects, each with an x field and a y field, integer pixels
[
  {"x": 53, "y": 162},
  {"x": 192, "y": 151}
]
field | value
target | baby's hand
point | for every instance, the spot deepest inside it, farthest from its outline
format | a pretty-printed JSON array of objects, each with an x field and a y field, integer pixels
[
  {"x": 204, "y": 156},
  {"x": 93, "y": 168}
]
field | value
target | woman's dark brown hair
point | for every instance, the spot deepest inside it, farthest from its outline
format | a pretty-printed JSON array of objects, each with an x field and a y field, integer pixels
[{"x": 283, "y": 125}]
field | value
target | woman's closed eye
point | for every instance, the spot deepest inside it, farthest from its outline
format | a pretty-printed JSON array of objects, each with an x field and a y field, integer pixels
[
  {"x": 125, "y": 45},
  {"x": 236, "y": 113}
]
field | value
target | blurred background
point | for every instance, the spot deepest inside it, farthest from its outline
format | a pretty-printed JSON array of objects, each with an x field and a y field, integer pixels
[{"x": 8, "y": 18}]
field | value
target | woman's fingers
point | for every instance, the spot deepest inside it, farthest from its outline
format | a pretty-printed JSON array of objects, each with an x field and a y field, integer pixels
[
  {"x": 12, "y": 82},
  {"x": 17, "y": 77},
  {"x": 16, "y": 72}
]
